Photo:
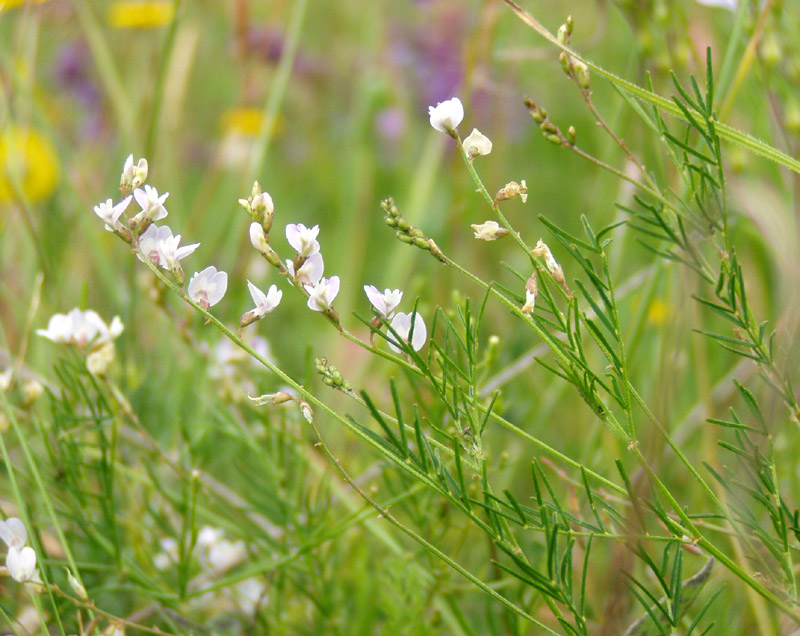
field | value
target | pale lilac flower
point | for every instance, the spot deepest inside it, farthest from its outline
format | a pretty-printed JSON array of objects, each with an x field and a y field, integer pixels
[
  {"x": 110, "y": 213},
  {"x": 13, "y": 532},
  {"x": 208, "y": 287},
  {"x": 303, "y": 239},
  {"x": 310, "y": 272},
  {"x": 446, "y": 116},
  {"x": 384, "y": 303},
  {"x": 151, "y": 203},
  {"x": 80, "y": 328},
  {"x": 477, "y": 144},
  {"x": 402, "y": 326},
  {"x": 170, "y": 253},
  {"x": 265, "y": 303},
  {"x": 21, "y": 565},
  {"x": 161, "y": 247},
  {"x": 489, "y": 231},
  {"x": 321, "y": 295}
]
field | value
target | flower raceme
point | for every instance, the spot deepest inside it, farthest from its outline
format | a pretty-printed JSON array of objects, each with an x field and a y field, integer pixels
[
  {"x": 384, "y": 303},
  {"x": 81, "y": 329},
  {"x": 446, "y": 116},
  {"x": 208, "y": 287}
]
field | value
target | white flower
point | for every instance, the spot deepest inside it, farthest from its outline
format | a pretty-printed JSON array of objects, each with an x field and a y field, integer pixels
[
  {"x": 446, "y": 116},
  {"x": 321, "y": 295},
  {"x": 477, "y": 144},
  {"x": 110, "y": 213},
  {"x": 303, "y": 239},
  {"x": 13, "y": 532},
  {"x": 384, "y": 303},
  {"x": 489, "y": 231},
  {"x": 258, "y": 237},
  {"x": 208, "y": 287},
  {"x": 310, "y": 272},
  {"x": 161, "y": 247},
  {"x": 265, "y": 303},
  {"x": 530, "y": 302},
  {"x": 80, "y": 328},
  {"x": 725, "y": 4},
  {"x": 402, "y": 326},
  {"x": 151, "y": 203},
  {"x": 170, "y": 253},
  {"x": 21, "y": 565}
]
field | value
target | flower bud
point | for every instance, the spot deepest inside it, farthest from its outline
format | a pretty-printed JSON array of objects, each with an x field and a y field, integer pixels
[
  {"x": 31, "y": 391},
  {"x": 76, "y": 586},
  {"x": 305, "y": 408},
  {"x": 258, "y": 238},
  {"x": 571, "y": 135},
  {"x": 581, "y": 73},
  {"x": 139, "y": 174},
  {"x": 98, "y": 361}
]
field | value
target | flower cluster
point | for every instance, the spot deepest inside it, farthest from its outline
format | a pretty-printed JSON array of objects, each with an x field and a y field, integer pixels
[
  {"x": 86, "y": 331},
  {"x": 21, "y": 559}
]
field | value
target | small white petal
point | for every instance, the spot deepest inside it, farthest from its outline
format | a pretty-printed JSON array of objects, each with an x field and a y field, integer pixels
[
  {"x": 13, "y": 532},
  {"x": 446, "y": 116},
  {"x": 477, "y": 144},
  {"x": 402, "y": 326}
]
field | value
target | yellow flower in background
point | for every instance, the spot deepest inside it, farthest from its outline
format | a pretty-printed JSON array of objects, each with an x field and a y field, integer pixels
[
  {"x": 240, "y": 129},
  {"x": 11, "y": 4},
  {"x": 658, "y": 312},
  {"x": 141, "y": 14},
  {"x": 29, "y": 161}
]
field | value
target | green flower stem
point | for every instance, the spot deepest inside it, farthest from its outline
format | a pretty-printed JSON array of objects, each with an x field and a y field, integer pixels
[{"x": 384, "y": 512}]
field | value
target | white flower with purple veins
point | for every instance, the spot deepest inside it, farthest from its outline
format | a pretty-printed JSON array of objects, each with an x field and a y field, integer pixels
[
  {"x": 321, "y": 295},
  {"x": 265, "y": 303},
  {"x": 151, "y": 203},
  {"x": 446, "y": 116},
  {"x": 80, "y": 328},
  {"x": 303, "y": 239},
  {"x": 208, "y": 287},
  {"x": 402, "y": 326},
  {"x": 384, "y": 303},
  {"x": 13, "y": 532},
  {"x": 110, "y": 213},
  {"x": 310, "y": 272},
  {"x": 21, "y": 565}
]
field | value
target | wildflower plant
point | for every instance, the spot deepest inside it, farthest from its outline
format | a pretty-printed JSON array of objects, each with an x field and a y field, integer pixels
[{"x": 587, "y": 427}]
